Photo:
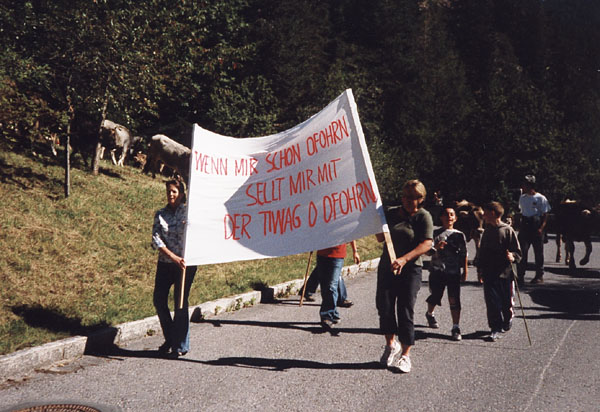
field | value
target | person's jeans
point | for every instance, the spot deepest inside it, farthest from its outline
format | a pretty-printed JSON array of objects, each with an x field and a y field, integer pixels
[
  {"x": 175, "y": 329},
  {"x": 329, "y": 271},
  {"x": 313, "y": 282}
]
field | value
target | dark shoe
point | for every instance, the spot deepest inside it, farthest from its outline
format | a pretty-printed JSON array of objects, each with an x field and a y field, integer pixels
[
  {"x": 164, "y": 349},
  {"x": 507, "y": 326},
  {"x": 456, "y": 334},
  {"x": 177, "y": 354},
  {"x": 537, "y": 280},
  {"x": 327, "y": 324},
  {"x": 431, "y": 321},
  {"x": 346, "y": 304},
  {"x": 307, "y": 296}
]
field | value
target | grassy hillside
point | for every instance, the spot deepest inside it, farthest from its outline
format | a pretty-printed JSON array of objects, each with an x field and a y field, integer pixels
[{"x": 73, "y": 265}]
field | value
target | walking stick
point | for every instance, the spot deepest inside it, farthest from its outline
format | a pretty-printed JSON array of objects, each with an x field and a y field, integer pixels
[
  {"x": 305, "y": 276},
  {"x": 522, "y": 310}
]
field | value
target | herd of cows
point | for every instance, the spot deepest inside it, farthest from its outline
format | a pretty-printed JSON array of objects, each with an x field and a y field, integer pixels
[
  {"x": 570, "y": 221},
  {"x": 161, "y": 155}
]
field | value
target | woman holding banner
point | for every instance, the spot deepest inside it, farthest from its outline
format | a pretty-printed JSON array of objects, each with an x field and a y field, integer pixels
[
  {"x": 398, "y": 282},
  {"x": 168, "y": 233}
]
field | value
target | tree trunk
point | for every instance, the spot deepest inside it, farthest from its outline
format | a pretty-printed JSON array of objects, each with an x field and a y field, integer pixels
[
  {"x": 67, "y": 184},
  {"x": 96, "y": 160}
]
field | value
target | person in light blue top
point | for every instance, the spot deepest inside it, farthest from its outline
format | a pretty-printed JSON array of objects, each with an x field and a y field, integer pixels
[
  {"x": 534, "y": 211},
  {"x": 168, "y": 233}
]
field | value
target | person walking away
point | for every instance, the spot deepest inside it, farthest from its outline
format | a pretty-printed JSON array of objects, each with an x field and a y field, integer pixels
[
  {"x": 168, "y": 233},
  {"x": 449, "y": 256},
  {"x": 398, "y": 282},
  {"x": 498, "y": 252},
  {"x": 534, "y": 211},
  {"x": 313, "y": 282},
  {"x": 329, "y": 269}
]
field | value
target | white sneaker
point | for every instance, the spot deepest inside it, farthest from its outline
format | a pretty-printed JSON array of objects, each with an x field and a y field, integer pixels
[
  {"x": 389, "y": 353},
  {"x": 402, "y": 363}
]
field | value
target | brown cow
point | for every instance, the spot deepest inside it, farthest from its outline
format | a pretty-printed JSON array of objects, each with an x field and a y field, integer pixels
[
  {"x": 575, "y": 222},
  {"x": 171, "y": 153},
  {"x": 140, "y": 159},
  {"x": 469, "y": 220}
]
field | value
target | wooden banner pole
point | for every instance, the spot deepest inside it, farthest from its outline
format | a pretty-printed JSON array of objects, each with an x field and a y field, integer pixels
[
  {"x": 390, "y": 248},
  {"x": 305, "y": 277},
  {"x": 182, "y": 289}
]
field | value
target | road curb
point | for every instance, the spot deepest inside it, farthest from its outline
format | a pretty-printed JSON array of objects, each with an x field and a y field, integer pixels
[{"x": 16, "y": 366}]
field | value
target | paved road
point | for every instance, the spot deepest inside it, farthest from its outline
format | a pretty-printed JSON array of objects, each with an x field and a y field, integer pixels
[{"x": 276, "y": 357}]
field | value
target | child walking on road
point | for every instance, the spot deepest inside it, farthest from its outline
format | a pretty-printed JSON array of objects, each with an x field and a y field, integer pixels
[
  {"x": 498, "y": 252},
  {"x": 449, "y": 256}
]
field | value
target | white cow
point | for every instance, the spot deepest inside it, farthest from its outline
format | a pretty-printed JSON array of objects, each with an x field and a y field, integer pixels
[
  {"x": 116, "y": 137},
  {"x": 171, "y": 153}
]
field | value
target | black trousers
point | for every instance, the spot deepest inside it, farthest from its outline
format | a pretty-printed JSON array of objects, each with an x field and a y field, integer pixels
[
  {"x": 498, "y": 295},
  {"x": 395, "y": 299},
  {"x": 438, "y": 281},
  {"x": 531, "y": 238}
]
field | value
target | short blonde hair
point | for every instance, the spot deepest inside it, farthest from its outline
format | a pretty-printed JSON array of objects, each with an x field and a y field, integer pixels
[{"x": 416, "y": 189}]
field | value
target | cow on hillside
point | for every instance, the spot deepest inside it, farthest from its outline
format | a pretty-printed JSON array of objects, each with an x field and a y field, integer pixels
[
  {"x": 171, "y": 153},
  {"x": 84, "y": 135},
  {"x": 115, "y": 138},
  {"x": 469, "y": 220},
  {"x": 575, "y": 222}
]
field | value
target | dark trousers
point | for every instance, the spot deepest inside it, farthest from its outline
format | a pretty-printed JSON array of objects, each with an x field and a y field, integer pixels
[
  {"x": 498, "y": 295},
  {"x": 395, "y": 299},
  {"x": 534, "y": 239},
  {"x": 438, "y": 281}
]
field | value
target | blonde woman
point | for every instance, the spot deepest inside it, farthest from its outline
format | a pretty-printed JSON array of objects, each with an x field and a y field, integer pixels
[{"x": 398, "y": 282}]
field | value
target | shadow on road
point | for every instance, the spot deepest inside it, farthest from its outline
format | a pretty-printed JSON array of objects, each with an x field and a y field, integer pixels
[
  {"x": 281, "y": 365},
  {"x": 477, "y": 335},
  {"x": 292, "y": 302},
  {"x": 276, "y": 365},
  {"x": 312, "y": 327},
  {"x": 578, "y": 273},
  {"x": 567, "y": 301},
  {"x": 115, "y": 352}
]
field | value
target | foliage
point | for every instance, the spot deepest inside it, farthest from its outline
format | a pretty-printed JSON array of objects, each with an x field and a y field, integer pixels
[{"x": 465, "y": 94}]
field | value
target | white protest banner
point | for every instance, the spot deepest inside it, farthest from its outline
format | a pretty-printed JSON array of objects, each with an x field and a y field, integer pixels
[{"x": 308, "y": 188}]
